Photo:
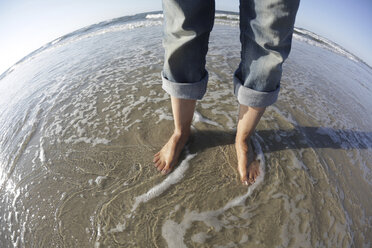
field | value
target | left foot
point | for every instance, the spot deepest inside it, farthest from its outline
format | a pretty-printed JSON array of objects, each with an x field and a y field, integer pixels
[{"x": 248, "y": 166}]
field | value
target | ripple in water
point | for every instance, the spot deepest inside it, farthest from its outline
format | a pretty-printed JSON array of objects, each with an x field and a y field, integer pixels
[{"x": 81, "y": 117}]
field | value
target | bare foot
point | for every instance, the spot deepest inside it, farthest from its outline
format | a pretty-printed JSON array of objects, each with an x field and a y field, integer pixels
[
  {"x": 248, "y": 166},
  {"x": 168, "y": 156}
]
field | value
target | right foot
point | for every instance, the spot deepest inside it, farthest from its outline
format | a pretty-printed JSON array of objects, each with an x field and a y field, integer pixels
[{"x": 168, "y": 156}]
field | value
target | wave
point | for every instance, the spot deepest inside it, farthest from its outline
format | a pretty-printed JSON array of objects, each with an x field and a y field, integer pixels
[
  {"x": 222, "y": 15},
  {"x": 154, "y": 16},
  {"x": 311, "y": 38}
]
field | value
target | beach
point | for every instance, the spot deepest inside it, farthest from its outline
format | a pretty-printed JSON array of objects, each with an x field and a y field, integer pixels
[{"x": 82, "y": 117}]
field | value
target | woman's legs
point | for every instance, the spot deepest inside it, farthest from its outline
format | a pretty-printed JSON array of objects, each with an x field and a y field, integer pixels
[{"x": 266, "y": 35}]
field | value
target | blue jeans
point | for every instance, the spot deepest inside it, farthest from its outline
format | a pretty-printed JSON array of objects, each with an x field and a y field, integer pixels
[{"x": 266, "y": 28}]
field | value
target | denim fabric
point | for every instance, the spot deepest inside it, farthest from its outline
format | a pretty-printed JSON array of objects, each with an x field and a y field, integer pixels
[{"x": 266, "y": 28}]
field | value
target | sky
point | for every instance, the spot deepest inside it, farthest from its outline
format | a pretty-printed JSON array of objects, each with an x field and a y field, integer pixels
[{"x": 26, "y": 25}]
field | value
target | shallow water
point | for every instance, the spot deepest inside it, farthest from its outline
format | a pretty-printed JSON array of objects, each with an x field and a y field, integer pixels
[{"x": 81, "y": 118}]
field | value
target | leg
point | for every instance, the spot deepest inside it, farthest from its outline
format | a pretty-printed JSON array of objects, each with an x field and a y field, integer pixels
[
  {"x": 266, "y": 28},
  {"x": 183, "y": 111},
  {"x": 248, "y": 120},
  {"x": 186, "y": 33}
]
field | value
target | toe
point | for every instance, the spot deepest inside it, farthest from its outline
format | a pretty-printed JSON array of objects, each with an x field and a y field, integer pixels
[
  {"x": 166, "y": 169},
  {"x": 156, "y": 159},
  {"x": 244, "y": 180},
  {"x": 256, "y": 175},
  {"x": 161, "y": 166},
  {"x": 157, "y": 163},
  {"x": 251, "y": 178},
  {"x": 157, "y": 155}
]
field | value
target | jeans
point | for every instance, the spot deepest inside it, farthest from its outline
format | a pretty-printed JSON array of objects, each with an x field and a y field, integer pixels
[{"x": 266, "y": 28}]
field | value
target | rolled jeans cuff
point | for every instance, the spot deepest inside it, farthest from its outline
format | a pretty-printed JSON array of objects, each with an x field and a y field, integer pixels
[
  {"x": 194, "y": 90},
  {"x": 254, "y": 98}
]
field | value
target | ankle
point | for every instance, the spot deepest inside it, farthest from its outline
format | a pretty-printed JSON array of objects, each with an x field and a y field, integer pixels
[
  {"x": 241, "y": 144},
  {"x": 181, "y": 133}
]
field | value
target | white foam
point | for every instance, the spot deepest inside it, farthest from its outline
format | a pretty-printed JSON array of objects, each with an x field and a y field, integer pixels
[
  {"x": 126, "y": 128},
  {"x": 199, "y": 118},
  {"x": 17, "y": 194},
  {"x": 121, "y": 27},
  {"x": 227, "y": 19},
  {"x": 226, "y": 22},
  {"x": 23, "y": 231},
  {"x": 94, "y": 141},
  {"x": 119, "y": 228},
  {"x": 42, "y": 154},
  {"x": 100, "y": 179},
  {"x": 200, "y": 237},
  {"x": 162, "y": 115},
  {"x": 154, "y": 16},
  {"x": 171, "y": 179},
  {"x": 63, "y": 195},
  {"x": 227, "y": 16},
  {"x": 298, "y": 164},
  {"x": 97, "y": 244},
  {"x": 173, "y": 233},
  {"x": 217, "y": 15}
]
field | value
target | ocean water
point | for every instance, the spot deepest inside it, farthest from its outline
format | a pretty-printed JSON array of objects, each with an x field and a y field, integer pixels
[{"x": 81, "y": 118}]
